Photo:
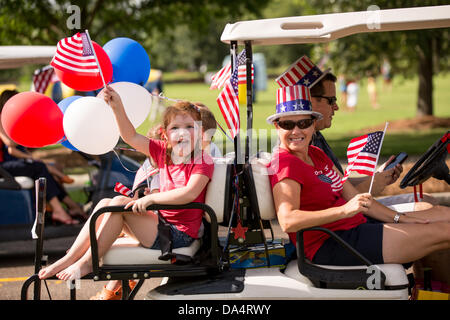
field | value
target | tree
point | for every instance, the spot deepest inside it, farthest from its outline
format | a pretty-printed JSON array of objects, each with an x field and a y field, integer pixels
[
  {"x": 45, "y": 22},
  {"x": 422, "y": 52}
]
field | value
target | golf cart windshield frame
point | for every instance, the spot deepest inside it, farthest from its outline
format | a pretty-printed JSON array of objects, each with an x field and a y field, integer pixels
[{"x": 319, "y": 29}]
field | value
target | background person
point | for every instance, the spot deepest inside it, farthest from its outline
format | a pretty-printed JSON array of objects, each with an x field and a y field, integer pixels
[{"x": 19, "y": 162}]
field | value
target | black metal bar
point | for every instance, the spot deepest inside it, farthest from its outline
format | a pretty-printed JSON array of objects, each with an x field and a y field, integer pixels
[
  {"x": 237, "y": 144},
  {"x": 249, "y": 62},
  {"x": 26, "y": 285},
  {"x": 300, "y": 247},
  {"x": 193, "y": 205},
  {"x": 41, "y": 189},
  {"x": 136, "y": 289}
]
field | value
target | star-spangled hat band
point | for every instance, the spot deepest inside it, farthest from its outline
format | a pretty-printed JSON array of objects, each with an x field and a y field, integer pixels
[
  {"x": 293, "y": 100},
  {"x": 303, "y": 71}
]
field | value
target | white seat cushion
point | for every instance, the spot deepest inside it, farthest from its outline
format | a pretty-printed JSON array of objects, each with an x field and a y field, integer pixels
[
  {"x": 24, "y": 182},
  {"x": 395, "y": 273},
  {"x": 262, "y": 186},
  {"x": 216, "y": 189},
  {"x": 127, "y": 251}
]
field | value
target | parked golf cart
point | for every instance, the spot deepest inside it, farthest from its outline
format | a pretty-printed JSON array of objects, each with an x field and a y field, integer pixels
[
  {"x": 17, "y": 194},
  {"x": 207, "y": 269}
]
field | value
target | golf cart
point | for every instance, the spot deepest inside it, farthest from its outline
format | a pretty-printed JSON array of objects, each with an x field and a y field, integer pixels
[{"x": 239, "y": 195}]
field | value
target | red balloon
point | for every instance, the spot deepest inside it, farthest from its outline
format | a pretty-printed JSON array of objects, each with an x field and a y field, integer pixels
[
  {"x": 33, "y": 120},
  {"x": 88, "y": 81}
]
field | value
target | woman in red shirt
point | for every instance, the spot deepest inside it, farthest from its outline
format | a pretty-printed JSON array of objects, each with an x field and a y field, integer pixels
[{"x": 308, "y": 192}]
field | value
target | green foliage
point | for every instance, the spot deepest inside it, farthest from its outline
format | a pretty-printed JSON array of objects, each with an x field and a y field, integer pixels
[
  {"x": 361, "y": 54},
  {"x": 175, "y": 30}
]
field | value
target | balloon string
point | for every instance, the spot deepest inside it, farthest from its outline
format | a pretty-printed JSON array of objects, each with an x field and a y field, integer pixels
[{"x": 134, "y": 171}]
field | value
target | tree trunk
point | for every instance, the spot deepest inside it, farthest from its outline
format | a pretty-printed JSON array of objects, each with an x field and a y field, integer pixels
[{"x": 425, "y": 92}]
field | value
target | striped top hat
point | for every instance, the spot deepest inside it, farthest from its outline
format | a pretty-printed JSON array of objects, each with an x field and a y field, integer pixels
[
  {"x": 293, "y": 100},
  {"x": 302, "y": 71}
]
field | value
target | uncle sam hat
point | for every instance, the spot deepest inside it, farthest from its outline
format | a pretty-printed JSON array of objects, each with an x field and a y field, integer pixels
[
  {"x": 293, "y": 100},
  {"x": 302, "y": 71}
]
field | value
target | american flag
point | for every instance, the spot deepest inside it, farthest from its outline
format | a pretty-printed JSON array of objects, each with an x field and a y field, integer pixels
[
  {"x": 362, "y": 154},
  {"x": 145, "y": 171},
  {"x": 42, "y": 78},
  {"x": 220, "y": 78},
  {"x": 333, "y": 178},
  {"x": 75, "y": 54},
  {"x": 242, "y": 74},
  {"x": 228, "y": 101},
  {"x": 122, "y": 189}
]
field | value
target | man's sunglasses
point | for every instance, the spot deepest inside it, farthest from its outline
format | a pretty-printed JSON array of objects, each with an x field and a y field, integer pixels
[
  {"x": 331, "y": 100},
  {"x": 290, "y": 124}
]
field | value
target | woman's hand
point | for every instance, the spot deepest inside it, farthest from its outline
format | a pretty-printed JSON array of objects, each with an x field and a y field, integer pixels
[
  {"x": 359, "y": 203},
  {"x": 389, "y": 176},
  {"x": 140, "y": 205}
]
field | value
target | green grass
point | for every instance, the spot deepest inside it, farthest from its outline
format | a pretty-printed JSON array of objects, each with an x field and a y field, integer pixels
[{"x": 399, "y": 103}]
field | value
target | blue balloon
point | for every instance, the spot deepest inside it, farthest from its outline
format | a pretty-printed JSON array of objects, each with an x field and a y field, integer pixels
[
  {"x": 129, "y": 59},
  {"x": 63, "y": 105}
]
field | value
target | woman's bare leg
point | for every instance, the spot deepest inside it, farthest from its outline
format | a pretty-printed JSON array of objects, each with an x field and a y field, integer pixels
[
  {"x": 404, "y": 243},
  {"x": 432, "y": 214}
]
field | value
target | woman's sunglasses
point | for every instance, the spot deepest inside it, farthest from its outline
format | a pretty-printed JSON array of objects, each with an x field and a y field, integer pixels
[{"x": 290, "y": 124}]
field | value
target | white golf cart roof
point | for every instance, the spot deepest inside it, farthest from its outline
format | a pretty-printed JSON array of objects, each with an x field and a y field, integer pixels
[
  {"x": 327, "y": 27},
  {"x": 18, "y": 56}
]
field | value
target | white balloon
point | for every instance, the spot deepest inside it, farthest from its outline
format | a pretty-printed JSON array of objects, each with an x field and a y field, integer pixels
[
  {"x": 136, "y": 100},
  {"x": 90, "y": 126}
]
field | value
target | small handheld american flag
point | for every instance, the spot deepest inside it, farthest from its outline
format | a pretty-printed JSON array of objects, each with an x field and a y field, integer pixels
[
  {"x": 223, "y": 75},
  {"x": 123, "y": 190},
  {"x": 362, "y": 154},
  {"x": 42, "y": 78},
  {"x": 75, "y": 54},
  {"x": 228, "y": 101}
]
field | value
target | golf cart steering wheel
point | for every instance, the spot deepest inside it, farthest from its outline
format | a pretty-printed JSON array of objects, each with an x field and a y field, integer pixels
[{"x": 431, "y": 164}]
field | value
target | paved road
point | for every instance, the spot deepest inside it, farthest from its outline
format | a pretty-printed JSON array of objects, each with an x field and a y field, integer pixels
[{"x": 17, "y": 264}]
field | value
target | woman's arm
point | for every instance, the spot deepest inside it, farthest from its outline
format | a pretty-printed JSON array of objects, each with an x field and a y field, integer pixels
[
  {"x": 12, "y": 146},
  {"x": 126, "y": 128},
  {"x": 376, "y": 209},
  {"x": 183, "y": 195},
  {"x": 286, "y": 194}
]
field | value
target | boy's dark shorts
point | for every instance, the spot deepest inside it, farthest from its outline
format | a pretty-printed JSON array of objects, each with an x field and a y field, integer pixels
[{"x": 179, "y": 239}]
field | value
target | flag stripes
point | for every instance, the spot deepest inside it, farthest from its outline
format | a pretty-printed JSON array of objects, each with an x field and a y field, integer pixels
[
  {"x": 42, "y": 78},
  {"x": 295, "y": 72},
  {"x": 362, "y": 154},
  {"x": 145, "y": 171},
  {"x": 75, "y": 54},
  {"x": 123, "y": 190}
]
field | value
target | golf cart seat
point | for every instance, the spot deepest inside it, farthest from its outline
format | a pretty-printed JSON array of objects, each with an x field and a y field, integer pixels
[
  {"x": 388, "y": 276},
  {"x": 126, "y": 260},
  {"x": 16, "y": 193},
  {"x": 126, "y": 250}
]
